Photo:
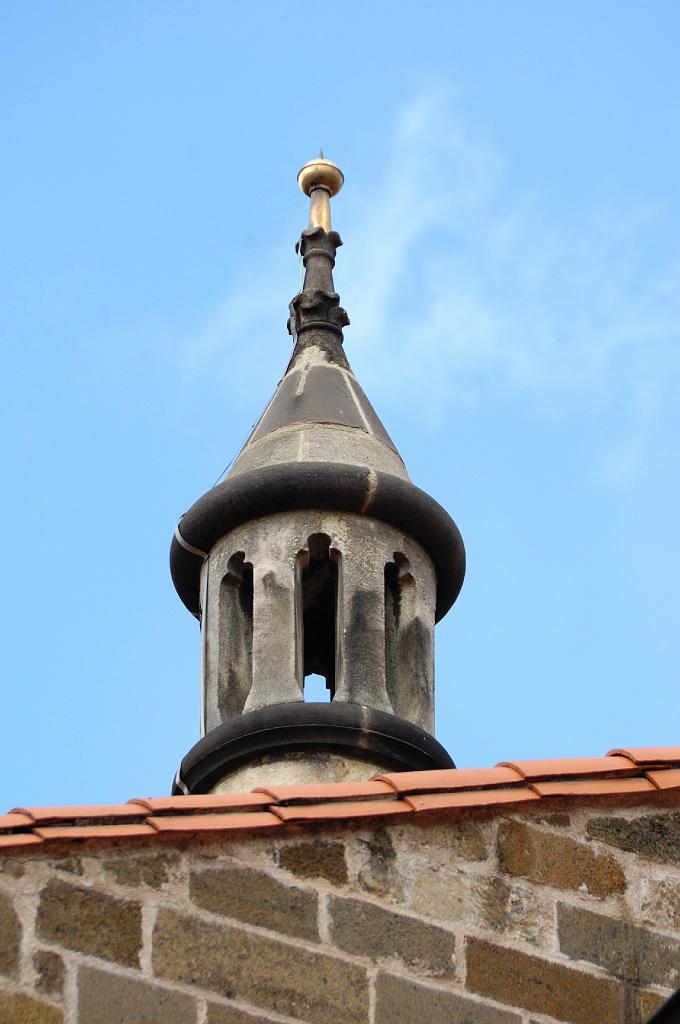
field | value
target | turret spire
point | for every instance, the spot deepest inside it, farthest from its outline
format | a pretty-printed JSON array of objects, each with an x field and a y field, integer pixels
[{"x": 316, "y": 555}]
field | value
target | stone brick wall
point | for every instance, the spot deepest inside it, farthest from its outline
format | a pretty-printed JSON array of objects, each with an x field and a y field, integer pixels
[{"x": 570, "y": 916}]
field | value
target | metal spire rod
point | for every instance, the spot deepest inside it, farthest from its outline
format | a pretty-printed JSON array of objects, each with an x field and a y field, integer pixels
[{"x": 320, "y": 179}]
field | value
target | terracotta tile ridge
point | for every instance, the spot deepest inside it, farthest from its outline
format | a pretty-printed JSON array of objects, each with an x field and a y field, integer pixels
[
  {"x": 12, "y": 840},
  {"x": 220, "y": 822},
  {"x": 471, "y": 798},
  {"x": 15, "y": 821},
  {"x": 657, "y": 757},
  {"x": 623, "y": 771},
  {"x": 452, "y": 779},
  {"x": 595, "y": 787},
  {"x": 70, "y": 833},
  {"x": 331, "y": 792},
  {"x": 109, "y": 813},
  {"x": 339, "y": 810},
  {"x": 664, "y": 778},
  {"x": 572, "y": 768},
  {"x": 207, "y": 803}
]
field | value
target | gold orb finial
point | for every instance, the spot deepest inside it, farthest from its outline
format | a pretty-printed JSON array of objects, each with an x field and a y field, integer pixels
[
  {"x": 320, "y": 179},
  {"x": 320, "y": 173}
]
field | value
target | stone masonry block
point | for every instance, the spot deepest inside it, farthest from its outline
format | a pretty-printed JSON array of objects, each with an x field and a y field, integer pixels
[
  {"x": 320, "y": 860},
  {"x": 256, "y": 898},
  {"x": 265, "y": 972},
  {"x": 557, "y": 860},
  {"x": 403, "y": 1001},
  {"x": 635, "y": 954},
  {"x": 652, "y": 835},
  {"x": 511, "y": 910},
  {"x": 518, "y": 979},
  {"x": 105, "y": 998},
  {"x": 90, "y": 922},
  {"x": 50, "y": 971},
  {"x": 365, "y": 929},
  {"x": 660, "y": 903},
  {"x": 443, "y": 894},
  {"x": 16, "y": 1008},
  {"x": 10, "y": 937},
  {"x": 151, "y": 869},
  {"x": 446, "y": 842}
]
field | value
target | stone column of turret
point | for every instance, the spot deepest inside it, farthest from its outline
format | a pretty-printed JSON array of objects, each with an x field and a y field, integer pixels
[{"x": 316, "y": 555}]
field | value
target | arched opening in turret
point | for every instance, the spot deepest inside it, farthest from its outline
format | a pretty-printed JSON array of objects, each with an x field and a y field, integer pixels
[
  {"x": 317, "y": 586},
  {"x": 399, "y": 614},
  {"x": 235, "y": 674}
]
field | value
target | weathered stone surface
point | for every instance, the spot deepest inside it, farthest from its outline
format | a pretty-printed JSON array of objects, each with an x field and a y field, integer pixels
[
  {"x": 443, "y": 894},
  {"x": 16, "y": 1008},
  {"x": 105, "y": 998},
  {"x": 72, "y": 865},
  {"x": 452, "y": 839},
  {"x": 506, "y": 908},
  {"x": 379, "y": 874},
  {"x": 518, "y": 979},
  {"x": 12, "y": 868},
  {"x": 264, "y": 972},
  {"x": 10, "y": 937},
  {"x": 635, "y": 954},
  {"x": 654, "y": 835},
  {"x": 296, "y": 768},
  {"x": 557, "y": 860},
  {"x": 365, "y": 929},
  {"x": 317, "y": 860},
  {"x": 403, "y": 1001},
  {"x": 152, "y": 869},
  {"x": 660, "y": 903},
  {"x": 558, "y": 819},
  {"x": 90, "y": 922},
  {"x": 50, "y": 971},
  {"x": 256, "y": 898}
]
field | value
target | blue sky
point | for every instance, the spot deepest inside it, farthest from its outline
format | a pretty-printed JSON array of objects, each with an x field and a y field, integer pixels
[{"x": 511, "y": 269}]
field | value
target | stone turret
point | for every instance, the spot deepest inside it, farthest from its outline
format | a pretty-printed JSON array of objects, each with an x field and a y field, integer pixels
[{"x": 316, "y": 555}]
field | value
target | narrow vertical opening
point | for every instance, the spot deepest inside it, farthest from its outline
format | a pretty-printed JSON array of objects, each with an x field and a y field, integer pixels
[
  {"x": 392, "y": 614},
  {"x": 235, "y": 674},
  {"x": 318, "y": 571},
  {"x": 399, "y": 611}
]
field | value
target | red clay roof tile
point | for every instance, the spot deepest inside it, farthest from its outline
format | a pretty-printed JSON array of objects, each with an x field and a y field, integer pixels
[
  {"x": 650, "y": 755},
  {"x": 66, "y": 833},
  {"x": 470, "y": 798},
  {"x": 11, "y": 839},
  {"x": 571, "y": 766},
  {"x": 341, "y": 810},
  {"x": 451, "y": 779},
  {"x": 105, "y": 812},
  {"x": 665, "y": 778},
  {"x": 317, "y": 791},
  {"x": 592, "y": 787},
  {"x": 214, "y": 822},
  {"x": 15, "y": 819},
  {"x": 206, "y": 802}
]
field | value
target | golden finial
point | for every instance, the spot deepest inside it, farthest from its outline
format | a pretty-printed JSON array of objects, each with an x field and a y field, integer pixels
[{"x": 320, "y": 179}]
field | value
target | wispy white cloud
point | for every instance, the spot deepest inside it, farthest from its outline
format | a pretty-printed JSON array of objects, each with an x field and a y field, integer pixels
[{"x": 453, "y": 283}]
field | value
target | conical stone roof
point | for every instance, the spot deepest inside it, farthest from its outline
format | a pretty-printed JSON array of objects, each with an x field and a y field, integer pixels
[{"x": 319, "y": 413}]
